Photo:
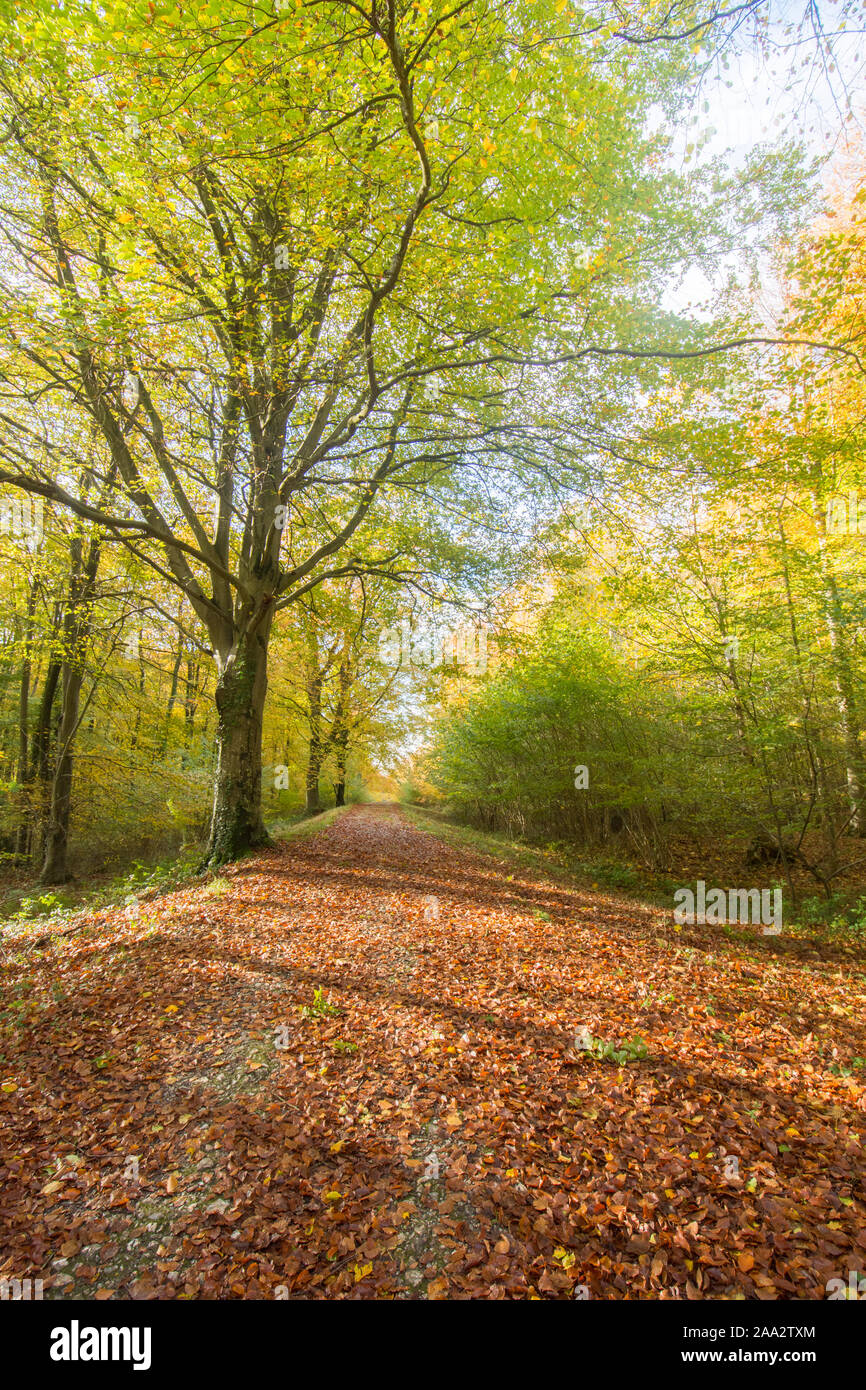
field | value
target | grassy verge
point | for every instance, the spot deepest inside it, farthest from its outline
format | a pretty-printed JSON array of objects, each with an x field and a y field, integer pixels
[
  {"x": 814, "y": 923},
  {"x": 50, "y": 908},
  {"x": 43, "y": 905},
  {"x": 301, "y": 826},
  {"x": 548, "y": 860}
]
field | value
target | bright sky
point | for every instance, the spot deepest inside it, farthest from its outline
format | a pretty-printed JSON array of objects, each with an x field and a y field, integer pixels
[
  {"x": 790, "y": 92},
  {"x": 755, "y": 109}
]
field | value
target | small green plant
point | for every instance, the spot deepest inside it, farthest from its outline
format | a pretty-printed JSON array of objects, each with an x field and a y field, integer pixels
[
  {"x": 836, "y": 916},
  {"x": 840, "y": 1068},
  {"x": 620, "y": 1052},
  {"x": 217, "y": 888},
  {"x": 320, "y": 1007},
  {"x": 819, "y": 912},
  {"x": 341, "y": 1045},
  {"x": 37, "y": 907},
  {"x": 653, "y": 999}
]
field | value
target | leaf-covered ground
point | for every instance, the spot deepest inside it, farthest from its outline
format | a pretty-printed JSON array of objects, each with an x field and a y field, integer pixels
[{"x": 347, "y": 1069}]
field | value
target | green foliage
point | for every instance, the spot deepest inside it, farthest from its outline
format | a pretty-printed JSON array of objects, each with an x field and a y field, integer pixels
[
  {"x": 622, "y": 1053},
  {"x": 611, "y": 873},
  {"x": 320, "y": 1007},
  {"x": 45, "y": 905},
  {"x": 217, "y": 888},
  {"x": 505, "y": 756},
  {"x": 840, "y": 915}
]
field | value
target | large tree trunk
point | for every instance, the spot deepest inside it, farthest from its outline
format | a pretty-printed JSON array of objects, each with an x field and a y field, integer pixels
[{"x": 236, "y": 823}]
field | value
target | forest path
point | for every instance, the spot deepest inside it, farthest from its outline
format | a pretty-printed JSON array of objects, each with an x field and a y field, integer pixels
[{"x": 347, "y": 1068}]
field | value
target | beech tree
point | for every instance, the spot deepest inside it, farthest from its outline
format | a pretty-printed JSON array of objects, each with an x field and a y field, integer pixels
[{"x": 290, "y": 267}]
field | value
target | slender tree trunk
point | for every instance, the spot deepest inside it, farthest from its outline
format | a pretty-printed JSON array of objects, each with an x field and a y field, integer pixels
[
  {"x": 55, "y": 868},
  {"x": 190, "y": 703},
  {"x": 340, "y": 784},
  {"x": 141, "y": 687},
  {"x": 172, "y": 694},
  {"x": 76, "y": 631},
  {"x": 737, "y": 699},
  {"x": 41, "y": 758},
  {"x": 23, "y": 833},
  {"x": 236, "y": 823},
  {"x": 816, "y": 762},
  {"x": 341, "y": 734},
  {"x": 316, "y": 753},
  {"x": 843, "y": 675}
]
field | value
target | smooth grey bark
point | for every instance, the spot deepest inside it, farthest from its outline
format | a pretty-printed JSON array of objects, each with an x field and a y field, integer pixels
[
  {"x": 843, "y": 675},
  {"x": 237, "y": 824}
]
